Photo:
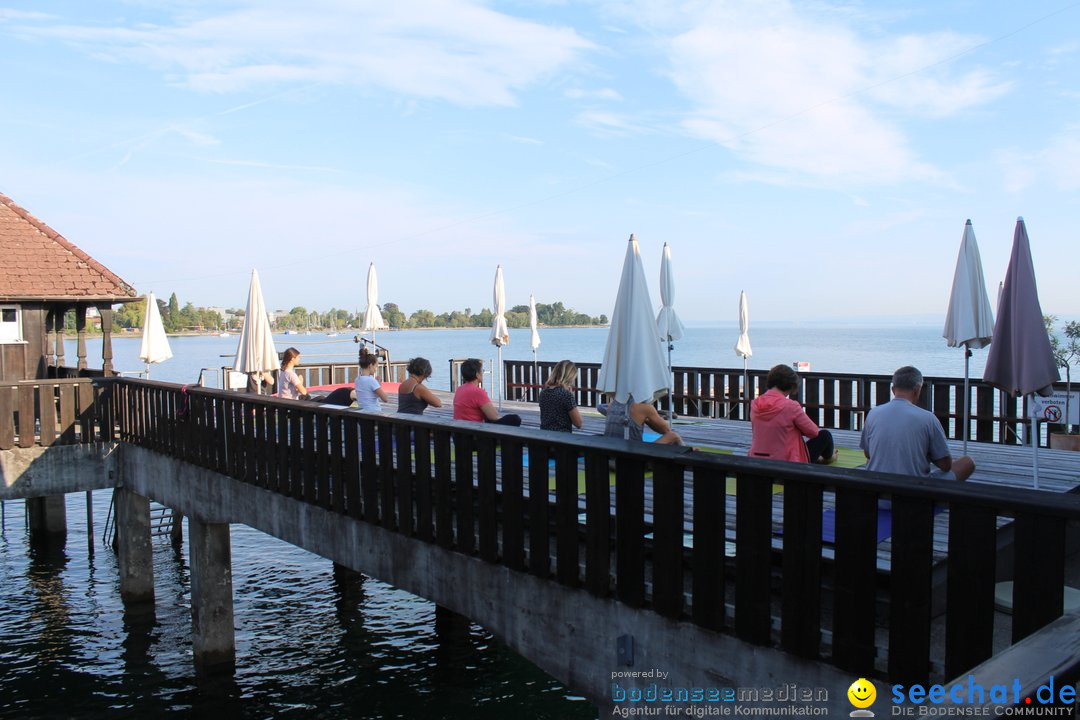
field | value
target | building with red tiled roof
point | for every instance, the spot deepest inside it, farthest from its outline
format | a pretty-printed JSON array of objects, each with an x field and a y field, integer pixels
[{"x": 44, "y": 277}]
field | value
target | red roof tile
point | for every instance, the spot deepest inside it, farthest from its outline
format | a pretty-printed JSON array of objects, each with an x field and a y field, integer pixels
[{"x": 39, "y": 263}]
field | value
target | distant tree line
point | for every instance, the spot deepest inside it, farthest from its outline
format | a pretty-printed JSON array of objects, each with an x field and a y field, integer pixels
[
  {"x": 554, "y": 314},
  {"x": 190, "y": 318},
  {"x": 176, "y": 318}
]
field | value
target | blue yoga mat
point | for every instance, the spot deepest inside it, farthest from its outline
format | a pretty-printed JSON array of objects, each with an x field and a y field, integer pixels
[{"x": 884, "y": 524}]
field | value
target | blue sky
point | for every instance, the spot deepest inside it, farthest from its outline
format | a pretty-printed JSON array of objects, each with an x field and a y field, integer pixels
[{"x": 823, "y": 156}]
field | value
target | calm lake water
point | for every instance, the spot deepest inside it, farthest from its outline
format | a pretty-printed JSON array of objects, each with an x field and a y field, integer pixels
[{"x": 310, "y": 644}]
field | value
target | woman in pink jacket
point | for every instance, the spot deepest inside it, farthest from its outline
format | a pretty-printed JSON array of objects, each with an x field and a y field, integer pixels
[{"x": 779, "y": 424}]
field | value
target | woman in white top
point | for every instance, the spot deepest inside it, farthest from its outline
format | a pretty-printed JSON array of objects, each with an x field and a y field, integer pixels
[
  {"x": 289, "y": 383},
  {"x": 368, "y": 389}
]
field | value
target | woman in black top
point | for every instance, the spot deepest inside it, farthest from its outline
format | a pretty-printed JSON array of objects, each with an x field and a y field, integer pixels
[
  {"x": 558, "y": 411},
  {"x": 413, "y": 397}
]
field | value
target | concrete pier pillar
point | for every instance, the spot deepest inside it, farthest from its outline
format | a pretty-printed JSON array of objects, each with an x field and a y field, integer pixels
[
  {"x": 46, "y": 518},
  {"x": 133, "y": 546},
  {"x": 213, "y": 634},
  {"x": 176, "y": 534}
]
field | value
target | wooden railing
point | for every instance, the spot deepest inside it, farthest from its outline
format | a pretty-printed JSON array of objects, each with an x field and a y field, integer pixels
[
  {"x": 336, "y": 373},
  {"x": 51, "y": 412},
  {"x": 834, "y": 400},
  {"x": 661, "y": 538}
]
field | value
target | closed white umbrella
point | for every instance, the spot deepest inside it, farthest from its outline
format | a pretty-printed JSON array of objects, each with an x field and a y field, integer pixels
[
  {"x": 667, "y": 322},
  {"x": 1020, "y": 360},
  {"x": 742, "y": 347},
  {"x": 155, "y": 344},
  {"x": 500, "y": 334},
  {"x": 969, "y": 320},
  {"x": 534, "y": 336},
  {"x": 633, "y": 365},
  {"x": 373, "y": 319},
  {"x": 255, "y": 352}
]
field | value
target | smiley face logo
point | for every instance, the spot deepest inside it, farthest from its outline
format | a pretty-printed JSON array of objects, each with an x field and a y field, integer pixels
[{"x": 862, "y": 693}]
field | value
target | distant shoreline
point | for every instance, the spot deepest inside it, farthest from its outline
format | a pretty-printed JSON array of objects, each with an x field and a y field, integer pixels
[{"x": 138, "y": 333}]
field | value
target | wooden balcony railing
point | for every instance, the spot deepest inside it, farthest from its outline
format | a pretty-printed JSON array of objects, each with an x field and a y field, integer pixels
[
  {"x": 833, "y": 400},
  {"x": 52, "y": 412},
  {"x": 677, "y": 532}
]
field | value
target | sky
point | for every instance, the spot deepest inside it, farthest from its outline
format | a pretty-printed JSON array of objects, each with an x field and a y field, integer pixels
[{"x": 822, "y": 156}]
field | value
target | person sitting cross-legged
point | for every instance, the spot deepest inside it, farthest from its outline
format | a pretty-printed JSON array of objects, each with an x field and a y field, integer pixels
[
  {"x": 779, "y": 424},
  {"x": 901, "y": 437},
  {"x": 558, "y": 411},
  {"x": 630, "y": 419},
  {"x": 471, "y": 401}
]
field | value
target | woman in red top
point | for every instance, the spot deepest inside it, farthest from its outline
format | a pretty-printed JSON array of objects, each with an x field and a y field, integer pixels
[
  {"x": 779, "y": 424},
  {"x": 471, "y": 402}
]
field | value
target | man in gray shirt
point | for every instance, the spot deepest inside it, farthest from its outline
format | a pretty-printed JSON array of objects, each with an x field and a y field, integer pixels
[{"x": 901, "y": 437}]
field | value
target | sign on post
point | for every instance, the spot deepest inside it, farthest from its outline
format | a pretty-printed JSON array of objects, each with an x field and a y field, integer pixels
[{"x": 1058, "y": 409}]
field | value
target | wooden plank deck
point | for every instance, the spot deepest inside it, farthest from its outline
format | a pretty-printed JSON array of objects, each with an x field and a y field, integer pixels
[{"x": 1006, "y": 465}]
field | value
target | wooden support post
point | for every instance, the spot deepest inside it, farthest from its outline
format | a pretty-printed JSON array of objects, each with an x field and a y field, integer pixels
[
  {"x": 58, "y": 324},
  {"x": 80, "y": 327},
  {"x": 90, "y": 521},
  {"x": 106, "y": 339},
  {"x": 213, "y": 635},
  {"x": 50, "y": 342}
]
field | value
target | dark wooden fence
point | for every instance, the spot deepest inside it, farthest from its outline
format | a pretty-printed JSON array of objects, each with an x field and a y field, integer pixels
[
  {"x": 834, "y": 400},
  {"x": 52, "y": 412},
  {"x": 661, "y": 537}
]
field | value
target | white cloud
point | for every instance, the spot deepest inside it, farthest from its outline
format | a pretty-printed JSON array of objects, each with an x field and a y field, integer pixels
[
  {"x": 524, "y": 140},
  {"x": 598, "y": 94},
  {"x": 900, "y": 65},
  {"x": 455, "y": 50},
  {"x": 608, "y": 123},
  {"x": 804, "y": 90},
  {"x": 1059, "y": 162},
  {"x": 9, "y": 14}
]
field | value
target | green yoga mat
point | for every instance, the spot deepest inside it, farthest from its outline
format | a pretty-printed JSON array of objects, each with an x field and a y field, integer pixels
[
  {"x": 849, "y": 458},
  {"x": 846, "y": 458}
]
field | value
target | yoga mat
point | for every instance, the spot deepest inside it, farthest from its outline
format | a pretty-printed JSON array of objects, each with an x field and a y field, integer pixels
[
  {"x": 884, "y": 524},
  {"x": 731, "y": 484}
]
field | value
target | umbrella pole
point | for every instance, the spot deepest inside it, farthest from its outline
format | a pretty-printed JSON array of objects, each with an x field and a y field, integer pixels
[
  {"x": 670, "y": 394},
  {"x": 746, "y": 385},
  {"x": 967, "y": 398},
  {"x": 499, "y": 386},
  {"x": 1035, "y": 445},
  {"x": 536, "y": 372}
]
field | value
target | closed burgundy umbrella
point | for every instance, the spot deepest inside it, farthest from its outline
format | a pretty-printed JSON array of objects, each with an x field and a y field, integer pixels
[{"x": 1020, "y": 361}]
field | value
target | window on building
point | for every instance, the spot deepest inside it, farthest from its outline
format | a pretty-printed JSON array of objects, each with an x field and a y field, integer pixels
[{"x": 10, "y": 326}]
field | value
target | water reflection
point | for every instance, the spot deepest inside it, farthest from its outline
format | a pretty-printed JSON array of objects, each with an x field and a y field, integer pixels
[
  {"x": 311, "y": 641},
  {"x": 50, "y": 611}
]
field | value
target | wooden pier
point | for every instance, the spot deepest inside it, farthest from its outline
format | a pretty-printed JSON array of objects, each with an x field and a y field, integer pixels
[{"x": 710, "y": 541}]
